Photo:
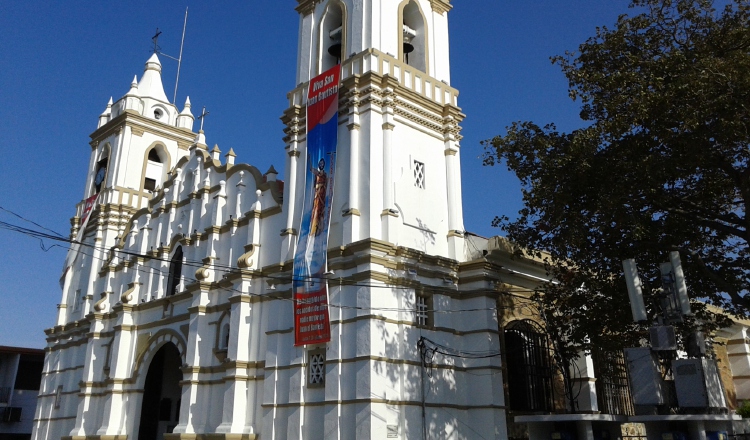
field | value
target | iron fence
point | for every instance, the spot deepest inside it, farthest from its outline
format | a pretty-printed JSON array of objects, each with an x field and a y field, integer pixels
[{"x": 613, "y": 391}]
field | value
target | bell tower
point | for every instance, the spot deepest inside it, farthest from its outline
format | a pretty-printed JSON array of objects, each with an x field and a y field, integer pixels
[
  {"x": 138, "y": 139},
  {"x": 398, "y": 167}
]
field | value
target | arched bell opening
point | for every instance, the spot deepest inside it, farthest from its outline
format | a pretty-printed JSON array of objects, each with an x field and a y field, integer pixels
[
  {"x": 332, "y": 41},
  {"x": 413, "y": 36},
  {"x": 100, "y": 173},
  {"x": 160, "y": 410},
  {"x": 155, "y": 167}
]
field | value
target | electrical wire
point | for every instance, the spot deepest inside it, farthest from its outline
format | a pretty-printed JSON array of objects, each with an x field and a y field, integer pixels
[{"x": 192, "y": 263}]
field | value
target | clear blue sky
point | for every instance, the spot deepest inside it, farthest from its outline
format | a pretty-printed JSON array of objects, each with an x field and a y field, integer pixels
[{"x": 61, "y": 61}]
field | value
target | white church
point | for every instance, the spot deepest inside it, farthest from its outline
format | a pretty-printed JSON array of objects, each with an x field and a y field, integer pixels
[{"x": 176, "y": 319}]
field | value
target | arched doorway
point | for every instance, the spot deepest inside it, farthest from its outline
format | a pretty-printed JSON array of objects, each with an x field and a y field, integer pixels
[{"x": 161, "y": 394}]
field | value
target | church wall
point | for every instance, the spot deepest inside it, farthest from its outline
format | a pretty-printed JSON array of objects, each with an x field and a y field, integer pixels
[{"x": 423, "y": 210}]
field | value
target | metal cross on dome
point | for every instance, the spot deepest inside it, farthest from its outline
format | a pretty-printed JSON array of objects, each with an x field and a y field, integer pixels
[
  {"x": 202, "y": 116},
  {"x": 155, "y": 39}
]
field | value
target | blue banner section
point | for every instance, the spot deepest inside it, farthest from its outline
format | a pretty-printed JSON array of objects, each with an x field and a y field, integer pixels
[{"x": 311, "y": 318}]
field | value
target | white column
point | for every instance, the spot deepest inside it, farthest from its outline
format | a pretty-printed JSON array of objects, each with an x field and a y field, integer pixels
[
  {"x": 290, "y": 199},
  {"x": 92, "y": 373},
  {"x": 96, "y": 259},
  {"x": 220, "y": 202},
  {"x": 119, "y": 372},
  {"x": 235, "y": 415},
  {"x": 389, "y": 216},
  {"x": 584, "y": 384},
  {"x": 193, "y": 420},
  {"x": 238, "y": 199},
  {"x": 453, "y": 182},
  {"x": 738, "y": 351},
  {"x": 352, "y": 215}
]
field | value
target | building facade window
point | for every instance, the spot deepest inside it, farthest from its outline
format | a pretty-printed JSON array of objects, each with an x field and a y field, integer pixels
[
  {"x": 58, "y": 396},
  {"x": 175, "y": 272},
  {"x": 423, "y": 310},
  {"x": 76, "y": 301},
  {"x": 316, "y": 368},
  {"x": 419, "y": 174},
  {"x": 101, "y": 175},
  {"x": 224, "y": 336},
  {"x": 529, "y": 364},
  {"x": 154, "y": 169}
]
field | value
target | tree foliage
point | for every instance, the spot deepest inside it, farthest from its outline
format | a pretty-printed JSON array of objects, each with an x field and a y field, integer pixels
[{"x": 663, "y": 164}]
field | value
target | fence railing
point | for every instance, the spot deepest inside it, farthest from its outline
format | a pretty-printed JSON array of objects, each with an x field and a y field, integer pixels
[{"x": 613, "y": 392}]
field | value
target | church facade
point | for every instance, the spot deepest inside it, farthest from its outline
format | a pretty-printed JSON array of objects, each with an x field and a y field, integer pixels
[{"x": 177, "y": 311}]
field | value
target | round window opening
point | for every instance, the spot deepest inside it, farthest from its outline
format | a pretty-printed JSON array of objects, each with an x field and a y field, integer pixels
[{"x": 158, "y": 114}]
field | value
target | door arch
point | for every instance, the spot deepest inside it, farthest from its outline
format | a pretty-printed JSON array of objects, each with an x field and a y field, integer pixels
[{"x": 160, "y": 409}]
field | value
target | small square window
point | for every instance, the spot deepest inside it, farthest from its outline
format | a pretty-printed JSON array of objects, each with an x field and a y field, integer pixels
[
  {"x": 316, "y": 374},
  {"x": 149, "y": 184},
  {"x": 422, "y": 311},
  {"x": 419, "y": 174}
]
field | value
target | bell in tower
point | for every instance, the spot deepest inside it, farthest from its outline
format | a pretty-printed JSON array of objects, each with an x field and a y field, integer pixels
[
  {"x": 335, "y": 48},
  {"x": 408, "y": 48},
  {"x": 413, "y": 47},
  {"x": 332, "y": 36}
]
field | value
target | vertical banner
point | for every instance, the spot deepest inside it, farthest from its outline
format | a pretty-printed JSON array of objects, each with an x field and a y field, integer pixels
[
  {"x": 72, "y": 255},
  {"x": 311, "y": 320}
]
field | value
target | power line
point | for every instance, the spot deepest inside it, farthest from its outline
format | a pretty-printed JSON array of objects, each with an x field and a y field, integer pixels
[{"x": 199, "y": 264}]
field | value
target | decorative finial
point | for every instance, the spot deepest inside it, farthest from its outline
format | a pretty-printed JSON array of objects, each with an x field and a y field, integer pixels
[{"x": 133, "y": 86}]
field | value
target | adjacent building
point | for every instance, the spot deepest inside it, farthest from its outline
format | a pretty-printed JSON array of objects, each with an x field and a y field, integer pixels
[{"x": 20, "y": 377}]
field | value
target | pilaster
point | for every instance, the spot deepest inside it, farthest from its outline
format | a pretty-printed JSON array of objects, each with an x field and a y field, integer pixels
[
  {"x": 121, "y": 360},
  {"x": 240, "y": 388},
  {"x": 198, "y": 346}
]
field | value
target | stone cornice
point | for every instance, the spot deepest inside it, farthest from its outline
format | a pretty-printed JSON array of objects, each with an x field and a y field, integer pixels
[
  {"x": 140, "y": 125},
  {"x": 441, "y": 6},
  {"x": 306, "y": 7}
]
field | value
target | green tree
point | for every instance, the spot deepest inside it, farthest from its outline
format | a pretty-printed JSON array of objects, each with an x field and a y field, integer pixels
[{"x": 661, "y": 164}]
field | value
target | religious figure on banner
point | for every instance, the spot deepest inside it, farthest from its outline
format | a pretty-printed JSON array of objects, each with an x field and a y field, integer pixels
[{"x": 319, "y": 198}]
